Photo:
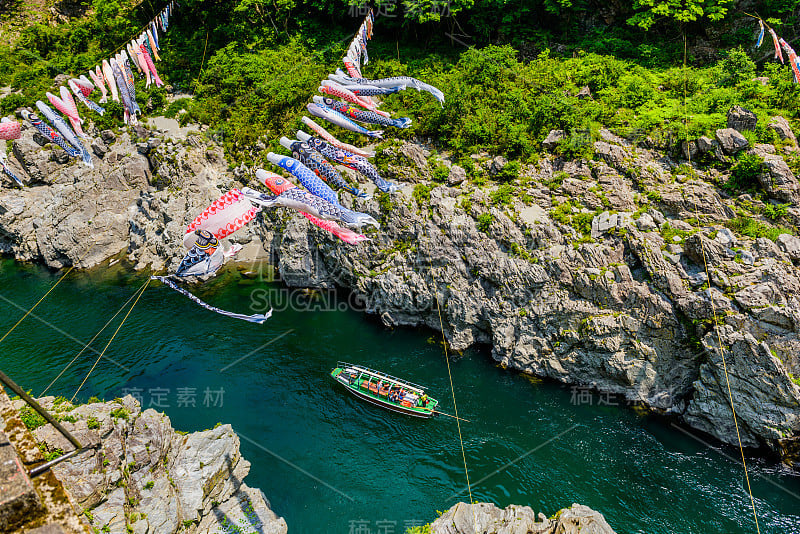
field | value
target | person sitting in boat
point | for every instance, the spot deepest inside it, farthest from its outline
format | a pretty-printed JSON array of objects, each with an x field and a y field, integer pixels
[
  {"x": 423, "y": 401},
  {"x": 393, "y": 395}
]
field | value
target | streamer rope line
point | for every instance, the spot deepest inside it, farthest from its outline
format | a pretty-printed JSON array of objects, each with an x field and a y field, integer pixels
[
  {"x": 141, "y": 292},
  {"x": 37, "y": 303},
  {"x": 714, "y": 309},
  {"x": 199, "y": 74},
  {"x": 87, "y": 345},
  {"x": 452, "y": 389}
]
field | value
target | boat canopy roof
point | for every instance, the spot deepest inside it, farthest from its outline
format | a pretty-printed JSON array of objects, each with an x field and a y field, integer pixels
[{"x": 349, "y": 367}]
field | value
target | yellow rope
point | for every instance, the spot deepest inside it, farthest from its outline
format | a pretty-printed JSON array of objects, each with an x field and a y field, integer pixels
[
  {"x": 37, "y": 303},
  {"x": 714, "y": 309},
  {"x": 205, "y": 46},
  {"x": 110, "y": 340},
  {"x": 452, "y": 392},
  {"x": 87, "y": 345}
]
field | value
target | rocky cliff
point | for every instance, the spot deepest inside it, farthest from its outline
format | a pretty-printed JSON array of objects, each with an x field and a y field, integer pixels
[
  {"x": 487, "y": 518},
  {"x": 144, "y": 477},
  {"x": 631, "y": 272}
]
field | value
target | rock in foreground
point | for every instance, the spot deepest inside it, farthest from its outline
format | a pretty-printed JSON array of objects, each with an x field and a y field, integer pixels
[
  {"x": 489, "y": 519},
  {"x": 146, "y": 478}
]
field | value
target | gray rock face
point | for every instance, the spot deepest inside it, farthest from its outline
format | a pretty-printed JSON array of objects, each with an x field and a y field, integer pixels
[
  {"x": 778, "y": 180},
  {"x": 741, "y": 119},
  {"x": 489, "y": 519},
  {"x": 731, "y": 141},
  {"x": 553, "y": 139},
  {"x": 766, "y": 403},
  {"x": 784, "y": 131},
  {"x": 556, "y": 290},
  {"x": 147, "y": 478}
]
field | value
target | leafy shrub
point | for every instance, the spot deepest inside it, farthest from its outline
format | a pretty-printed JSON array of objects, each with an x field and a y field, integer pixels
[
  {"x": 755, "y": 229},
  {"x": 422, "y": 194},
  {"x": 737, "y": 67},
  {"x": 502, "y": 195},
  {"x": 31, "y": 418},
  {"x": 745, "y": 173},
  {"x": 12, "y": 102},
  {"x": 509, "y": 172},
  {"x": 485, "y": 221},
  {"x": 775, "y": 211}
]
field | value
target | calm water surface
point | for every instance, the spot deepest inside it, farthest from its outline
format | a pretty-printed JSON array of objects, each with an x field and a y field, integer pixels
[{"x": 331, "y": 463}]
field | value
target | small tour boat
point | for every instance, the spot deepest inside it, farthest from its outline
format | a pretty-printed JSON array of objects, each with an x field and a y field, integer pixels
[{"x": 384, "y": 390}]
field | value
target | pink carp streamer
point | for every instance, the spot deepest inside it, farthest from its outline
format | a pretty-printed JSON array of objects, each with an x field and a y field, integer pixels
[
  {"x": 10, "y": 130},
  {"x": 332, "y": 88},
  {"x": 66, "y": 105},
  {"x": 99, "y": 81},
  {"x": 108, "y": 74},
  {"x": 323, "y": 133},
  {"x": 151, "y": 66},
  {"x": 277, "y": 184}
]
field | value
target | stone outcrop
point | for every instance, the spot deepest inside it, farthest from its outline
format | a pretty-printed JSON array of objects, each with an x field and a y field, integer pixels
[
  {"x": 489, "y": 519},
  {"x": 741, "y": 119},
  {"x": 592, "y": 273},
  {"x": 146, "y": 478}
]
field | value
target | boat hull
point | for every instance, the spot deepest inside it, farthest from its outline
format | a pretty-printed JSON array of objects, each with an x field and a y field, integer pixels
[{"x": 388, "y": 406}]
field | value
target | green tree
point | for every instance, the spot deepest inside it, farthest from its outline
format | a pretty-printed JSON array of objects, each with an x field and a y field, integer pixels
[{"x": 648, "y": 12}]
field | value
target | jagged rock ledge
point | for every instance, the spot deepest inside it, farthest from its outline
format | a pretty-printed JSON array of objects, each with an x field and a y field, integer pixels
[
  {"x": 489, "y": 519},
  {"x": 587, "y": 272},
  {"x": 147, "y": 478}
]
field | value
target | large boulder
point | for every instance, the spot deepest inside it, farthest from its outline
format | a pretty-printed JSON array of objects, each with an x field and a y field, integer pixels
[
  {"x": 782, "y": 128},
  {"x": 778, "y": 180},
  {"x": 741, "y": 119},
  {"x": 731, "y": 140},
  {"x": 489, "y": 519},
  {"x": 553, "y": 139}
]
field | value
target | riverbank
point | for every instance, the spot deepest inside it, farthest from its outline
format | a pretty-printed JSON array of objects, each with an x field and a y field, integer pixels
[
  {"x": 587, "y": 272},
  {"x": 142, "y": 476}
]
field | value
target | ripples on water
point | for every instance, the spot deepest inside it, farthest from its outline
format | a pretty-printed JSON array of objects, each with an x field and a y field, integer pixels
[{"x": 643, "y": 475}]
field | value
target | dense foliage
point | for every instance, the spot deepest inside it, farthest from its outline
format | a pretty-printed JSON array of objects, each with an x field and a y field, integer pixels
[{"x": 252, "y": 65}]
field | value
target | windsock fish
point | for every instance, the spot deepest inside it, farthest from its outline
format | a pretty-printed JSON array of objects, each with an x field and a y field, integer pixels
[
  {"x": 314, "y": 161},
  {"x": 79, "y": 92},
  {"x": 153, "y": 48},
  {"x": 364, "y": 91},
  {"x": 154, "y": 33},
  {"x": 140, "y": 57},
  {"x": 306, "y": 176},
  {"x": 151, "y": 66},
  {"x": 134, "y": 57},
  {"x": 349, "y": 160},
  {"x": 64, "y": 129},
  {"x": 49, "y": 133},
  {"x": 66, "y": 105},
  {"x": 760, "y": 33},
  {"x": 7, "y": 170},
  {"x": 108, "y": 74},
  {"x": 127, "y": 73},
  {"x": 369, "y": 117},
  {"x": 10, "y": 130},
  {"x": 278, "y": 184},
  {"x": 130, "y": 117},
  {"x": 99, "y": 81},
  {"x": 337, "y": 119},
  {"x": 323, "y": 133},
  {"x": 303, "y": 201},
  {"x": 329, "y": 87},
  {"x": 793, "y": 59},
  {"x": 776, "y": 42},
  {"x": 403, "y": 82}
]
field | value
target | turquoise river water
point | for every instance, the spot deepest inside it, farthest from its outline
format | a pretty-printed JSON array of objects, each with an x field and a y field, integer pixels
[{"x": 331, "y": 463}]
